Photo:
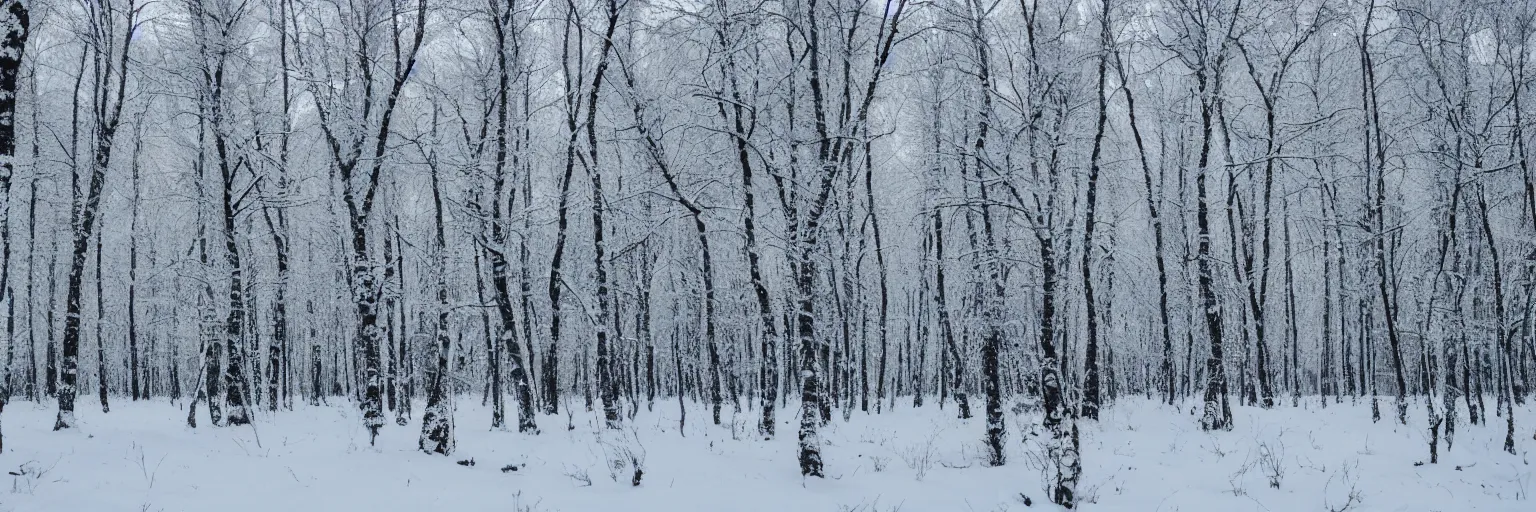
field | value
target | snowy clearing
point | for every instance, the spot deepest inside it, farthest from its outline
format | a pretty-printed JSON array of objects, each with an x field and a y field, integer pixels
[{"x": 1141, "y": 457}]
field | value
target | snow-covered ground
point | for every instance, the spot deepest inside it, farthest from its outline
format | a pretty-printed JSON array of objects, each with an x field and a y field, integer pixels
[{"x": 1141, "y": 457}]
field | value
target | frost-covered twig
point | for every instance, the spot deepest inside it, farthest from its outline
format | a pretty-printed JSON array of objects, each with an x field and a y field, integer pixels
[
  {"x": 578, "y": 475},
  {"x": 1272, "y": 461},
  {"x": 144, "y": 469},
  {"x": 626, "y": 453},
  {"x": 1352, "y": 497},
  {"x": 869, "y": 506},
  {"x": 921, "y": 456}
]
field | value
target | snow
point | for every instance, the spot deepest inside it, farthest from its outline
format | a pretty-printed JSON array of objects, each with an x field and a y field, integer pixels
[{"x": 1141, "y": 457}]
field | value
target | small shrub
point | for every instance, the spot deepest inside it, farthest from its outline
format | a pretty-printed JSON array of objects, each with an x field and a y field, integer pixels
[
  {"x": 579, "y": 475},
  {"x": 920, "y": 457},
  {"x": 1349, "y": 481},
  {"x": 1272, "y": 463},
  {"x": 1235, "y": 481},
  {"x": 870, "y": 506},
  {"x": 519, "y": 505},
  {"x": 26, "y": 477}
]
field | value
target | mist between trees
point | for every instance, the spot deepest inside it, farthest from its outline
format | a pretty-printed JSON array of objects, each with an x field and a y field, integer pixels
[{"x": 801, "y": 208}]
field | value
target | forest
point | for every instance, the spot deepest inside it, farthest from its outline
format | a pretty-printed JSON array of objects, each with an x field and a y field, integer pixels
[{"x": 1063, "y": 253}]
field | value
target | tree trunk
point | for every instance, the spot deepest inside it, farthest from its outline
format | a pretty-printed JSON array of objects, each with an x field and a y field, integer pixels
[
  {"x": 84, "y": 209},
  {"x": 14, "y": 29},
  {"x": 500, "y": 275},
  {"x": 1091, "y": 385},
  {"x": 956, "y": 371},
  {"x": 437, "y": 418},
  {"x": 101, "y": 351},
  {"x": 1218, "y": 414},
  {"x": 1376, "y": 166}
]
